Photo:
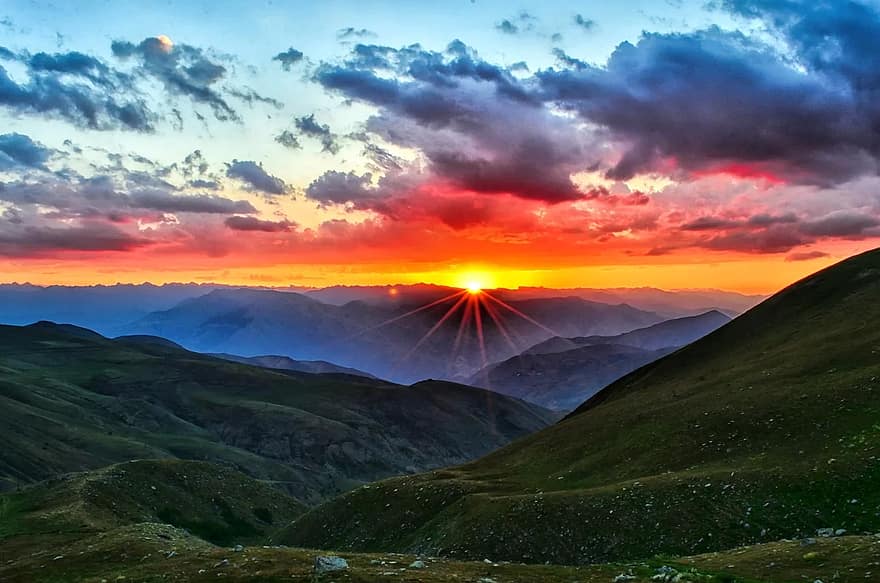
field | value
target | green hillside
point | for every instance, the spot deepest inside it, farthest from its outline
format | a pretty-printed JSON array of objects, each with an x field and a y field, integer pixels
[
  {"x": 71, "y": 400},
  {"x": 768, "y": 428},
  {"x": 213, "y": 502},
  {"x": 171, "y": 520}
]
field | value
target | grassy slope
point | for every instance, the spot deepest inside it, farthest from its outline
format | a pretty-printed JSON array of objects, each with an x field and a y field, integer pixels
[
  {"x": 216, "y": 503},
  {"x": 154, "y": 552},
  {"x": 72, "y": 401},
  {"x": 766, "y": 428},
  {"x": 108, "y": 525}
]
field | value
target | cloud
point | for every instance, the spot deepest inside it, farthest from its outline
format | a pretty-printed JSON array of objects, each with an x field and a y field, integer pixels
[
  {"x": 775, "y": 239},
  {"x": 507, "y": 27},
  {"x": 26, "y": 241},
  {"x": 289, "y": 140},
  {"x": 350, "y": 32},
  {"x": 255, "y": 224},
  {"x": 522, "y": 22},
  {"x": 187, "y": 71},
  {"x": 129, "y": 194},
  {"x": 805, "y": 256},
  {"x": 311, "y": 128},
  {"x": 708, "y": 224},
  {"x": 73, "y": 63},
  {"x": 288, "y": 58},
  {"x": 197, "y": 203},
  {"x": 587, "y": 24},
  {"x": 841, "y": 223},
  {"x": 77, "y": 89},
  {"x": 714, "y": 101},
  {"x": 254, "y": 176},
  {"x": 20, "y": 150},
  {"x": 473, "y": 122},
  {"x": 335, "y": 187}
]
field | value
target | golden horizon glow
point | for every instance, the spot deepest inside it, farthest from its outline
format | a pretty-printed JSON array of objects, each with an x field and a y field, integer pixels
[
  {"x": 476, "y": 281},
  {"x": 751, "y": 274}
]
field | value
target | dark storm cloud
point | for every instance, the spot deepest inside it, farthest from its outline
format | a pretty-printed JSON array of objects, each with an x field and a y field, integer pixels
[
  {"x": 253, "y": 175},
  {"x": 21, "y": 150},
  {"x": 258, "y": 225},
  {"x": 308, "y": 126},
  {"x": 24, "y": 241},
  {"x": 720, "y": 101},
  {"x": 477, "y": 125},
  {"x": 288, "y": 58}
]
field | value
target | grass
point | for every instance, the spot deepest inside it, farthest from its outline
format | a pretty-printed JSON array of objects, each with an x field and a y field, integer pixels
[
  {"x": 765, "y": 429},
  {"x": 215, "y": 503},
  {"x": 156, "y": 552},
  {"x": 104, "y": 526}
]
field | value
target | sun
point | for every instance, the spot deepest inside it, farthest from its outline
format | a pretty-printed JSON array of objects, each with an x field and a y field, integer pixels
[{"x": 474, "y": 282}]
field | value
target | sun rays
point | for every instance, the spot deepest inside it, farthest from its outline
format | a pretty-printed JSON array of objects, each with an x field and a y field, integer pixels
[{"x": 479, "y": 312}]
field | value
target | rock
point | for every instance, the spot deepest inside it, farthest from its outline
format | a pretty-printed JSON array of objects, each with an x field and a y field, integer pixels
[
  {"x": 623, "y": 577},
  {"x": 825, "y": 532},
  {"x": 840, "y": 532},
  {"x": 222, "y": 563},
  {"x": 238, "y": 548},
  {"x": 417, "y": 565},
  {"x": 330, "y": 564}
]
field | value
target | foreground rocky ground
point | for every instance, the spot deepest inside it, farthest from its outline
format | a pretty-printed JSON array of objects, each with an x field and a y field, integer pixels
[{"x": 157, "y": 552}]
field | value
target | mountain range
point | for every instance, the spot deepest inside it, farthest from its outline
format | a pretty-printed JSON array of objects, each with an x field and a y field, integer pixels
[
  {"x": 561, "y": 373},
  {"x": 403, "y": 343}
]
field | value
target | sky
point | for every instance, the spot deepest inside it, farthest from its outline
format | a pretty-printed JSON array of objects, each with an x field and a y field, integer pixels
[{"x": 727, "y": 144}]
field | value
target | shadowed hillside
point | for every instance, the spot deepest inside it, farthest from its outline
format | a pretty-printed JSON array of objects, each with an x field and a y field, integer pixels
[{"x": 72, "y": 400}]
